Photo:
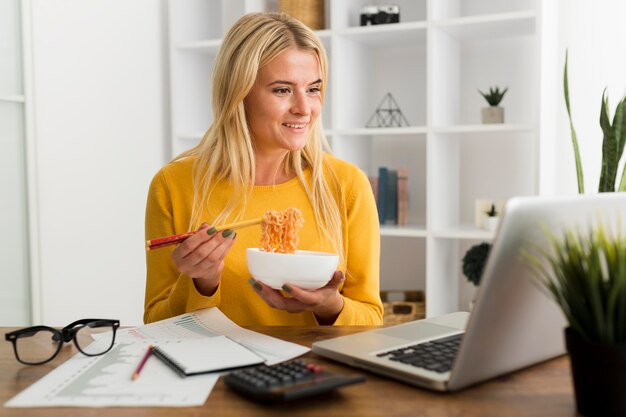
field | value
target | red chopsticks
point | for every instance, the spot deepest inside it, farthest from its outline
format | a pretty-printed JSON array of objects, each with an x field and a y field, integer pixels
[{"x": 162, "y": 242}]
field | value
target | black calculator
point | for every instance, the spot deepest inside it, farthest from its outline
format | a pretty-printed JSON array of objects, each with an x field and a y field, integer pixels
[{"x": 286, "y": 381}]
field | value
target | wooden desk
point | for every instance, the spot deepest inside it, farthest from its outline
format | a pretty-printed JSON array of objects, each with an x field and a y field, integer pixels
[{"x": 542, "y": 390}]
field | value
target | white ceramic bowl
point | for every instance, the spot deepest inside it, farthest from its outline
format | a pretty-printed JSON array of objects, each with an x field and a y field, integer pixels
[{"x": 305, "y": 269}]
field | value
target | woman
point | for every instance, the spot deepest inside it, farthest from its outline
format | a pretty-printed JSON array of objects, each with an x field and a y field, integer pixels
[{"x": 263, "y": 151}]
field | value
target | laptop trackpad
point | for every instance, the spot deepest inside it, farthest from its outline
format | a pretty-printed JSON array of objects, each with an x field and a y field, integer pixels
[{"x": 416, "y": 331}]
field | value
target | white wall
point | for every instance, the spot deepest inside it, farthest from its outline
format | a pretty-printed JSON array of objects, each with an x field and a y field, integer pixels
[
  {"x": 100, "y": 125},
  {"x": 594, "y": 33}
]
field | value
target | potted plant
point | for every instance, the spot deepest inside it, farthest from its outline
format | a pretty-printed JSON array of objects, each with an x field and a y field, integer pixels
[
  {"x": 494, "y": 113},
  {"x": 492, "y": 220},
  {"x": 585, "y": 273},
  {"x": 473, "y": 264},
  {"x": 614, "y": 138}
]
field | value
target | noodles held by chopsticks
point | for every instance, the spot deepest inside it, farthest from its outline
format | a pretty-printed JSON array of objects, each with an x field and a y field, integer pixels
[{"x": 279, "y": 230}]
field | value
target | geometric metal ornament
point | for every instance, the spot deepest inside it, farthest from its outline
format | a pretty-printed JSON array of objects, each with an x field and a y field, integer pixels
[{"x": 388, "y": 114}]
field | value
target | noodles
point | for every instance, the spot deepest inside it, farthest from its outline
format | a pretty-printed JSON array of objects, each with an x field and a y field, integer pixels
[{"x": 279, "y": 230}]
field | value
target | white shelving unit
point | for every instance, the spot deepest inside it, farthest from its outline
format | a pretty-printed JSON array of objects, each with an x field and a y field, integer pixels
[{"x": 432, "y": 62}]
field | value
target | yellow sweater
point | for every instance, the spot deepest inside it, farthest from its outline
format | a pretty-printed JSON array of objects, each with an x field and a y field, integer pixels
[{"x": 170, "y": 293}]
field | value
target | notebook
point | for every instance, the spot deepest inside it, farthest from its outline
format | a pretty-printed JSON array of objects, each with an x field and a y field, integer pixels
[
  {"x": 513, "y": 324},
  {"x": 199, "y": 356}
]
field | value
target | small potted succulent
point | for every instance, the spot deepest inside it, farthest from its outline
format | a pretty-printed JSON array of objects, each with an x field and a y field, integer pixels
[
  {"x": 494, "y": 113},
  {"x": 492, "y": 220}
]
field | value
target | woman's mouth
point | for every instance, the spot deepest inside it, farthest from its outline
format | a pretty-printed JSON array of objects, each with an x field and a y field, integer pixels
[{"x": 295, "y": 125}]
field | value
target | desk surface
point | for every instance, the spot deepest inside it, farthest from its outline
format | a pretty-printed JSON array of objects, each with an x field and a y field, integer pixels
[{"x": 542, "y": 390}]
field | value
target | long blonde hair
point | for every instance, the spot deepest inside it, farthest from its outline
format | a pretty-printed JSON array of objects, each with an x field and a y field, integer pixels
[{"x": 226, "y": 153}]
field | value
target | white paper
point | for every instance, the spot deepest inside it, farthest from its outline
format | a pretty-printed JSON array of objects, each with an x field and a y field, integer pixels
[
  {"x": 212, "y": 322},
  {"x": 208, "y": 354},
  {"x": 105, "y": 381}
]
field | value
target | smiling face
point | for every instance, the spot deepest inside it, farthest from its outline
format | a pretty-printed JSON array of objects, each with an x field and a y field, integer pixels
[{"x": 284, "y": 103}]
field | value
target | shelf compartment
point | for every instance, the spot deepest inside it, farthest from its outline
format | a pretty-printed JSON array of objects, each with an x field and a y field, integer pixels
[
  {"x": 504, "y": 25},
  {"x": 481, "y": 166},
  {"x": 363, "y": 76},
  {"x": 450, "y": 9},
  {"x": 410, "y": 253},
  {"x": 458, "y": 72},
  {"x": 191, "y": 20},
  {"x": 387, "y": 36},
  {"x": 191, "y": 92},
  {"x": 347, "y": 14}
]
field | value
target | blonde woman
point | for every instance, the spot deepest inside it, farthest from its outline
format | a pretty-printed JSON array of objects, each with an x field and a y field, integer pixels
[{"x": 265, "y": 150}]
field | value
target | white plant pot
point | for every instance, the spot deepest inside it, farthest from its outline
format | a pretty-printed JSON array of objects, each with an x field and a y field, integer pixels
[
  {"x": 491, "y": 223},
  {"x": 492, "y": 114}
]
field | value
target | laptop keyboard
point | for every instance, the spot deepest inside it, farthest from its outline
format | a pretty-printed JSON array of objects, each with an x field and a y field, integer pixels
[{"x": 436, "y": 355}]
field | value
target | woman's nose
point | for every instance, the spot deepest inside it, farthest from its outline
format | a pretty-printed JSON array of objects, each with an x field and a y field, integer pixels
[{"x": 300, "y": 104}]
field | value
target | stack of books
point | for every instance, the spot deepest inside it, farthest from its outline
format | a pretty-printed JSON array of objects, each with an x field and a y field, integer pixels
[{"x": 391, "y": 192}]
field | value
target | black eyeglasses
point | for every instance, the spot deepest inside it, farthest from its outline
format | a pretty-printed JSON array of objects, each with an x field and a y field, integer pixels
[{"x": 40, "y": 344}]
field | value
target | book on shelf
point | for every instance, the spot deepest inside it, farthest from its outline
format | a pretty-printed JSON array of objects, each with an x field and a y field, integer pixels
[
  {"x": 391, "y": 194},
  {"x": 381, "y": 199},
  {"x": 391, "y": 206},
  {"x": 403, "y": 196}
]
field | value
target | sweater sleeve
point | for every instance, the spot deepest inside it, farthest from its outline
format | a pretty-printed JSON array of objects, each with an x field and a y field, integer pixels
[
  {"x": 168, "y": 292},
  {"x": 361, "y": 289}
]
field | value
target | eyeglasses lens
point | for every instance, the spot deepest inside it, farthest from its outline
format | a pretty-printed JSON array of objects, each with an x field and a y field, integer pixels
[
  {"x": 37, "y": 347},
  {"x": 100, "y": 343}
]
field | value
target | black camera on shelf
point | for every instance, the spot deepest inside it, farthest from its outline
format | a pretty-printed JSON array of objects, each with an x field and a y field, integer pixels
[{"x": 380, "y": 15}]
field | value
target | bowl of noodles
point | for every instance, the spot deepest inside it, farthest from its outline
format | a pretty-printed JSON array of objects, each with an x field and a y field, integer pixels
[
  {"x": 305, "y": 269},
  {"x": 277, "y": 262}
]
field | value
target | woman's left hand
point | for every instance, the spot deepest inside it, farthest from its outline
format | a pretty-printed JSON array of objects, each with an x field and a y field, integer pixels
[{"x": 325, "y": 302}]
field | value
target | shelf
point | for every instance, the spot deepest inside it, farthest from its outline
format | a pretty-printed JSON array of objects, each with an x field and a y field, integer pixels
[
  {"x": 12, "y": 98},
  {"x": 486, "y": 128},
  {"x": 500, "y": 25},
  {"x": 389, "y": 35},
  {"x": 464, "y": 232},
  {"x": 406, "y": 231},
  {"x": 210, "y": 46},
  {"x": 432, "y": 63},
  {"x": 375, "y": 131}
]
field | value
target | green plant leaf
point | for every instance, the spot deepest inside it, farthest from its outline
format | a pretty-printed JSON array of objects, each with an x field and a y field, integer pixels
[
  {"x": 579, "y": 167},
  {"x": 609, "y": 149},
  {"x": 494, "y": 97},
  {"x": 622, "y": 142}
]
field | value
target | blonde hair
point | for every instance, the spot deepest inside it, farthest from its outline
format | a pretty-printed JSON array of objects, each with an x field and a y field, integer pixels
[{"x": 226, "y": 153}]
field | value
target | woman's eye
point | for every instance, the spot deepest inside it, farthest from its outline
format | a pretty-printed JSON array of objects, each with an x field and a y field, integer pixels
[
  {"x": 314, "y": 90},
  {"x": 281, "y": 90}
]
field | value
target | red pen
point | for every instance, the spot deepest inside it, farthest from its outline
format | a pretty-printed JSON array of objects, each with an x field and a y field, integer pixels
[{"x": 143, "y": 362}]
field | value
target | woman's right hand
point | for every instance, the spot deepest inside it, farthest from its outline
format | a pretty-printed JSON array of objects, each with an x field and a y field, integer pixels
[{"x": 201, "y": 257}]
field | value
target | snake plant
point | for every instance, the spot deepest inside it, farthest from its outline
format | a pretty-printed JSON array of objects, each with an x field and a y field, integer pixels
[{"x": 614, "y": 138}]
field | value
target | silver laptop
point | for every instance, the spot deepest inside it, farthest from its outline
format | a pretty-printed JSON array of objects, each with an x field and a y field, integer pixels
[{"x": 513, "y": 323}]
